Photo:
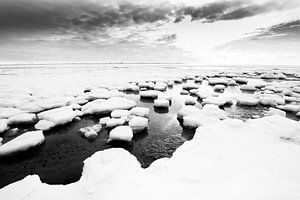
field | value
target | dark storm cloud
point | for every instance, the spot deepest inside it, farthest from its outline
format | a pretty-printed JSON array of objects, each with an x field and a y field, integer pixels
[{"x": 80, "y": 16}]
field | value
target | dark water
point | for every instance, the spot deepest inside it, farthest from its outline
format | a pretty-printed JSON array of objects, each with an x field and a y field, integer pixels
[{"x": 60, "y": 159}]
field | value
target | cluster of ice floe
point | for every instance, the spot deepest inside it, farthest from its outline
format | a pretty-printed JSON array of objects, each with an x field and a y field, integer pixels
[
  {"x": 205, "y": 97},
  {"x": 228, "y": 159}
]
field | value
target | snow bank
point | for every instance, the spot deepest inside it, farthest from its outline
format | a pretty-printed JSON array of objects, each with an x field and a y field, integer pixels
[
  {"x": 22, "y": 143},
  {"x": 108, "y": 106},
  {"x": 228, "y": 160},
  {"x": 121, "y": 133}
]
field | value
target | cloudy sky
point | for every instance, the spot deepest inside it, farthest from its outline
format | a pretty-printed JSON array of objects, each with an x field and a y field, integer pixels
[{"x": 186, "y": 31}]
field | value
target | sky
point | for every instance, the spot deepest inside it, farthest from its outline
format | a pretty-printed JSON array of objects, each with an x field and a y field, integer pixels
[{"x": 207, "y": 32}]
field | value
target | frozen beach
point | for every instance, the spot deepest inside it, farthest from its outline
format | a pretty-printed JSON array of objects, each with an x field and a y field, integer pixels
[{"x": 234, "y": 129}]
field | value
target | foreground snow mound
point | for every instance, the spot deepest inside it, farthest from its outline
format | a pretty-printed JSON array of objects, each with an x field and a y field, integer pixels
[
  {"x": 229, "y": 160},
  {"x": 22, "y": 143},
  {"x": 107, "y": 106}
]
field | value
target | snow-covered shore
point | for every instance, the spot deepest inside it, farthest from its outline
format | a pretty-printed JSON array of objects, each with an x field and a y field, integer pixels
[{"x": 230, "y": 159}]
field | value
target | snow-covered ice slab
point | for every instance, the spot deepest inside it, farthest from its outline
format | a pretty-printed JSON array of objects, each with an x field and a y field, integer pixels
[
  {"x": 109, "y": 105},
  {"x": 121, "y": 133},
  {"x": 230, "y": 160},
  {"x": 22, "y": 143}
]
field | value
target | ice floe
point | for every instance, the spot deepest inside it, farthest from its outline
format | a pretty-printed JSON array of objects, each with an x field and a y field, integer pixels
[
  {"x": 22, "y": 119},
  {"x": 161, "y": 103},
  {"x": 138, "y": 124},
  {"x": 107, "y": 106},
  {"x": 22, "y": 143},
  {"x": 121, "y": 133},
  {"x": 140, "y": 111}
]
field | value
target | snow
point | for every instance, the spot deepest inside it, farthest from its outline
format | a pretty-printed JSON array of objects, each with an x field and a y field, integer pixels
[
  {"x": 219, "y": 87},
  {"x": 274, "y": 111},
  {"x": 248, "y": 88},
  {"x": 215, "y": 81},
  {"x": 149, "y": 94},
  {"x": 190, "y": 86},
  {"x": 3, "y": 125},
  {"x": 113, "y": 122},
  {"x": 190, "y": 100},
  {"x": 44, "y": 125},
  {"x": 289, "y": 108},
  {"x": 119, "y": 113},
  {"x": 22, "y": 143},
  {"x": 230, "y": 159},
  {"x": 9, "y": 112},
  {"x": 59, "y": 116},
  {"x": 104, "y": 120},
  {"x": 91, "y": 133},
  {"x": 138, "y": 124},
  {"x": 247, "y": 101},
  {"x": 122, "y": 133},
  {"x": 107, "y": 106},
  {"x": 187, "y": 110},
  {"x": 23, "y": 118},
  {"x": 184, "y": 92},
  {"x": 219, "y": 101},
  {"x": 161, "y": 103},
  {"x": 140, "y": 111}
]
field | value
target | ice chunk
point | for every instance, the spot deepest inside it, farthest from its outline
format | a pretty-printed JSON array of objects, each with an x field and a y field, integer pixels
[
  {"x": 3, "y": 125},
  {"x": 113, "y": 122},
  {"x": 219, "y": 87},
  {"x": 289, "y": 108},
  {"x": 122, "y": 133},
  {"x": 219, "y": 101},
  {"x": 140, "y": 111},
  {"x": 160, "y": 86},
  {"x": 161, "y": 103},
  {"x": 109, "y": 105},
  {"x": 248, "y": 88},
  {"x": 187, "y": 110},
  {"x": 184, "y": 92},
  {"x": 274, "y": 111},
  {"x": 190, "y": 101},
  {"x": 22, "y": 143},
  {"x": 247, "y": 101},
  {"x": 104, "y": 120},
  {"x": 91, "y": 133},
  {"x": 23, "y": 118},
  {"x": 215, "y": 81},
  {"x": 9, "y": 112},
  {"x": 44, "y": 125},
  {"x": 153, "y": 94},
  {"x": 119, "y": 113},
  {"x": 59, "y": 116},
  {"x": 138, "y": 124},
  {"x": 189, "y": 86}
]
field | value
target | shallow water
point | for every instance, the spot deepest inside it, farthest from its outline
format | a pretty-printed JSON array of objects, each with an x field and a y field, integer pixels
[{"x": 60, "y": 159}]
